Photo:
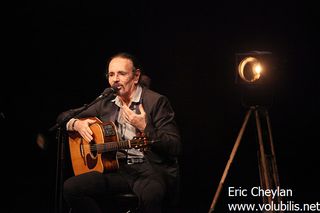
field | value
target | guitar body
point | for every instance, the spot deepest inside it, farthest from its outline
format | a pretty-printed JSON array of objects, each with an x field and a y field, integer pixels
[{"x": 88, "y": 156}]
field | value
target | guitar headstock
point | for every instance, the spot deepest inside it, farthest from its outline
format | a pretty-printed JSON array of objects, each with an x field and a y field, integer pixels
[{"x": 139, "y": 142}]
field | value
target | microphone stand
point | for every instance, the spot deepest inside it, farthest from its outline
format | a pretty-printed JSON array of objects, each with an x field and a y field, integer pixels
[{"x": 107, "y": 94}]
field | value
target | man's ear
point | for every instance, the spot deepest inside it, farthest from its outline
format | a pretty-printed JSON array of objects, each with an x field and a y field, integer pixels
[{"x": 137, "y": 76}]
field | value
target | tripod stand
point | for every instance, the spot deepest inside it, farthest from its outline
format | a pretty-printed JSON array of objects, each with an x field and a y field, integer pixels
[{"x": 269, "y": 178}]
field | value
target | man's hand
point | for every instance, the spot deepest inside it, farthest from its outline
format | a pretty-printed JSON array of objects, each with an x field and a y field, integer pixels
[
  {"x": 82, "y": 126},
  {"x": 136, "y": 120}
]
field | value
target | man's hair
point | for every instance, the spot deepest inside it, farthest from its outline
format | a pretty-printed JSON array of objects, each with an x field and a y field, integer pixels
[{"x": 132, "y": 58}]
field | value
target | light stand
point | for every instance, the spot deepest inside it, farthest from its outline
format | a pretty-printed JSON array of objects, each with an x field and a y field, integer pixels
[
  {"x": 254, "y": 74},
  {"x": 267, "y": 159}
]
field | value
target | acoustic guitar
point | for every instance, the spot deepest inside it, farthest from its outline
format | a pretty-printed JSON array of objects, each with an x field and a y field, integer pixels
[{"x": 100, "y": 153}]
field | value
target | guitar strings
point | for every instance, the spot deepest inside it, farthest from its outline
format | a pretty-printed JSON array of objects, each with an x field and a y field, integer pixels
[{"x": 111, "y": 145}]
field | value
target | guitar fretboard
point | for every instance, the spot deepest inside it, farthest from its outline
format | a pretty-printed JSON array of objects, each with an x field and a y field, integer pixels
[{"x": 111, "y": 146}]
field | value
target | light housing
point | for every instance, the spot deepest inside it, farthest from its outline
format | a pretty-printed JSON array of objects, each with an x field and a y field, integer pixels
[
  {"x": 254, "y": 73},
  {"x": 255, "y": 67}
]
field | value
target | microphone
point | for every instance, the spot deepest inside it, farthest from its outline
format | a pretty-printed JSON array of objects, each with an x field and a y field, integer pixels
[
  {"x": 111, "y": 90},
  {"x": 105, "y": 94}
]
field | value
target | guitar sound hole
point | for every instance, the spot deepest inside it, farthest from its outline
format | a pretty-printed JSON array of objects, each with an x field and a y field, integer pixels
[{"x": 93, "y": 148}]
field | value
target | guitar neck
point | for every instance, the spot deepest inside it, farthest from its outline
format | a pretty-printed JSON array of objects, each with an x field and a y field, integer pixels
[{"x": 111, "y": 146}]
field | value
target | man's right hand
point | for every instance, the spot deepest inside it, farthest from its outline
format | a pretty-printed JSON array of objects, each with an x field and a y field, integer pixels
[{"x": 82, "y": 126}]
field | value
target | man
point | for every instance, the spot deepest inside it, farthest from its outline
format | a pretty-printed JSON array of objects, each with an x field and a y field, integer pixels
[{"x": 152, "y": 173}]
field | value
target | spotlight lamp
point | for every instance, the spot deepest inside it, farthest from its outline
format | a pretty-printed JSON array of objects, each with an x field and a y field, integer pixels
[
  {"x": 250, "y": 69},
  {"x": 255, "y": 77},
  {"x": 253, "y": 67}
]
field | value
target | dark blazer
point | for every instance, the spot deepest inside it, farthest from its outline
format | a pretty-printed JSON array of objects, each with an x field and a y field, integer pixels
[{"x": 161, "y": 126}]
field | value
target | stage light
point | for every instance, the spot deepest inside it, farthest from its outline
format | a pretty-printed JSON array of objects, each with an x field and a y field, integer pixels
[
  {"x": 41, "y": 141},
  {"x": 255, "y": 67},
  {"x": 255, "y": 71},
  {"x": 254, "y": 77},
  {"x": 250, "y": 69}
]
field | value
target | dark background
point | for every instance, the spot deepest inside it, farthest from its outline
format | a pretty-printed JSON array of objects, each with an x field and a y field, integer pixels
[{"x": 56, "y": 61}]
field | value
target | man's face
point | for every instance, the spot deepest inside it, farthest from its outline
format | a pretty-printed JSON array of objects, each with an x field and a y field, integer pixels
[{"x": 120, "y": 73}]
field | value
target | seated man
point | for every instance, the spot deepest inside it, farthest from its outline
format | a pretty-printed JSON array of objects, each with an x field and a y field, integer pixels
[{"x": 136, "y": 110}]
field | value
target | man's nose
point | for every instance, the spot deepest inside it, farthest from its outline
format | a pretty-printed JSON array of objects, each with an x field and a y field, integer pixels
[{"x": 115, "y": 77}]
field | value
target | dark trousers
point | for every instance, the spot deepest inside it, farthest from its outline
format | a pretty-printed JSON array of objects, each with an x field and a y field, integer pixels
[{"x": 82, "y": 192}]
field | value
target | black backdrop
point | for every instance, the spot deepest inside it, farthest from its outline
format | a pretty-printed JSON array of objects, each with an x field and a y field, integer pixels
[{"x": 57, "y": 52}]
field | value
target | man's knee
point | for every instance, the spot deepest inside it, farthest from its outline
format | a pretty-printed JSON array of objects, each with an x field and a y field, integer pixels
[{"x": 153, "y": 194}]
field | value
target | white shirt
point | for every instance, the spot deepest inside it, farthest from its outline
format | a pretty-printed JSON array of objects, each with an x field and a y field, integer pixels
[{"x": 125, "y": 130}]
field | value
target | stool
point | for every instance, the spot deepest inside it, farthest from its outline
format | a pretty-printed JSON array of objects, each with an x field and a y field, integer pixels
[{"x": 122, "y": 203}]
